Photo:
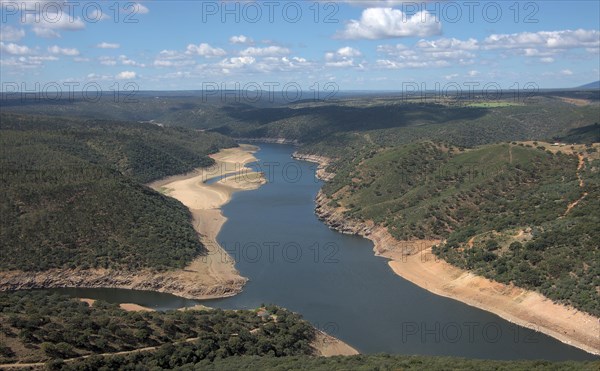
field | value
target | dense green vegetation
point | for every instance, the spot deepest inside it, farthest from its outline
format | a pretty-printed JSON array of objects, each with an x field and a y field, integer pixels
[
  {"x": 383, "y": 362},
  {"x": 37, "y": 327},
  {"x": 144, "y": 152},
  {"x": 492, "y": 193},
  {"x": 587, "y": 134},
  {"x": 188, "y": 109},
  {"x": 72, "y": 199},
  {"x": 348, "y": 121},
  {"x": 334, "y": 128}
]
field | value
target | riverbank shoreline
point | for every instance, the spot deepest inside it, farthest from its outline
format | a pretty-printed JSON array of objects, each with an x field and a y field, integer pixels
[
  {"x": 414, "y": 261},
  {"x": 210, "y": 276}
]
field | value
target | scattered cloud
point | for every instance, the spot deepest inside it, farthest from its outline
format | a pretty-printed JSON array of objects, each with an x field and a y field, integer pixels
[
  {"x": 105, "y": 45},
  {"x": 107, "y": 61},
  {"x": 269, "y": 51},
  {"x": 55, "y": 49},
  {"x": 241, "y": 39},
  {"x": 126, "y": 75},
  {"x": 26, "y": 62},
  {"x": 428, "y": 54},
  {"x": 172, "y": 58},
  {"x": 385, "y": 23},
  {"x": 136, "y": 8},
  {"x": 205, "y": 50},
  {"x": 10, "y": 33},
  {"x": 566, "y": 39},
  {"x": 15, "y": 49},
  {"x": 49, "y": 25},
  {"x": 343, "y": 57},
  {"x": 129, "y": 62}
]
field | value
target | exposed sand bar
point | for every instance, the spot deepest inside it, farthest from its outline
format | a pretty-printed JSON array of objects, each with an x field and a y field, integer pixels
[
  {"x": 210, "y": 276},
  {"x": 217, "y": 268}
]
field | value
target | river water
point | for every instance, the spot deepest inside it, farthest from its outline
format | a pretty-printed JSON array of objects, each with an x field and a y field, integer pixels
[{"x": 334, "y": 280}]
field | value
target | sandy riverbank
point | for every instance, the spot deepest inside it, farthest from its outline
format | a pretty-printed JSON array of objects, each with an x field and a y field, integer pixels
[
  {"x": 128, "y": 307},
  {"x": 414, "y": 261},
  {"x": 204, "y": 200},
  {"x": 328, "y": 346},
  {"x": 207, "y": 277}
]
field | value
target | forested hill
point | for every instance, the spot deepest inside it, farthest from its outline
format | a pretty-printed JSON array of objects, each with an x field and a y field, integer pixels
[
  {"x": 60, "y": 331},
  {"x": 513, "y": 212},
  {"x": 72, "y": 194},
  {"x": 334, "y": 128},
  {"x": 142, "y": 151}
]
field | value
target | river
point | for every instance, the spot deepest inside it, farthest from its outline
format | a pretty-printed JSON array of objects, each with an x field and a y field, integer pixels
[{"x": 334, "y": 280}]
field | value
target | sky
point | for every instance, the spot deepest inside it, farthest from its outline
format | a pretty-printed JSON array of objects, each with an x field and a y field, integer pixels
[{"x": 311, "y": 47}]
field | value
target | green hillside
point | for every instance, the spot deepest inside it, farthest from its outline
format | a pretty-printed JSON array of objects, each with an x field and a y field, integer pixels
[
  {"x": 72, "y": 196},
  {"x": 331, "y": 128},
  {"x": 497, "y": 194},
  {"x": 37, "y": 327}
]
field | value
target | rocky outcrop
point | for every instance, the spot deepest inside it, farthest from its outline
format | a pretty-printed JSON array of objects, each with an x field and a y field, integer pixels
[
  {"x": 172, "y": 282},
  {"x": 323, "y": 162},
  {"x": 384, "y": 244}
]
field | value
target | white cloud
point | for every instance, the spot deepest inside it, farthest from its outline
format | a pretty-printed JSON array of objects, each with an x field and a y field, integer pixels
[
  {"x": 172, "y": 58},
  {"x": 204, "y": 50},
  {"x": 55, "y": 49},
  {"x": 448, "y": 44},
  {"x": 241, "y": 39},
  {"x": 269, "y": 51},
  {"x": 141, "y": 9},
  {"x": 105, "y": 45},
  {"x": 126, "y": 75},
  {"x": 547, "y": 60},
  {"x": 425, "y": 54},
  {"x": 341, "y": 64},
  {"x": 50, "y": 24},
  {"x": 395, "y": 64},
  {"x": 473, "y": 73},
  {"x": 10, "y": 33},
  {"x": 94, "y": 76},
  {"x": 343, "y": 57},
  {"x": 15, "y": 49},
  {"x": 281, "y": 64},
  {"x": 566, "y": 72},
  {"x": 129, "y": 62},
  {"x": 107, "y": 61},
  {"x": 135, "y": 8},
  {"x": 349, "y": 52},
  {"x": 237, "y": 62},
  {"x": 46, "y": 33},
  {"x": 383, "y": 23},
  {"x": 26, "y": 62},
  {"x": 566, "y": 39}
]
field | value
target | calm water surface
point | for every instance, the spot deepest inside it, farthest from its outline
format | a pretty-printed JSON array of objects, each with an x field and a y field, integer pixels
[{"x": 334, "y": 280}]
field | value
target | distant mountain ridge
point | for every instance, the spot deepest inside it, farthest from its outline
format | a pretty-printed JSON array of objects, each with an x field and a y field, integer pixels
[{"x": 592, "y": 85}]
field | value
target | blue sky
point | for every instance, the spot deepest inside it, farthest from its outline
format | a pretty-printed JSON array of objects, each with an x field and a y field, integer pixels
[{"x": 352, "y": 45}]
